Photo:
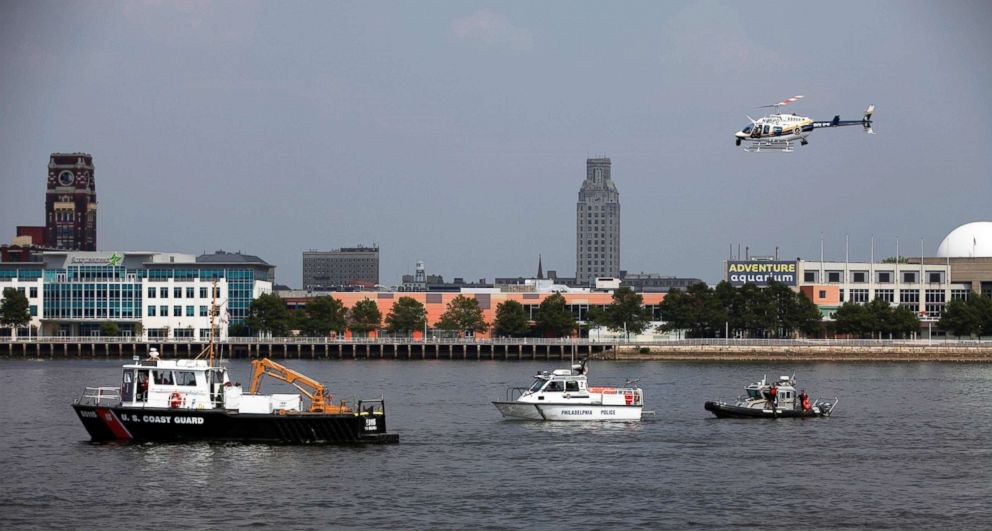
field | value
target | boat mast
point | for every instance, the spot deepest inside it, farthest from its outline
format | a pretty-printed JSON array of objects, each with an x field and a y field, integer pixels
[{"x": 213, "y": 313}]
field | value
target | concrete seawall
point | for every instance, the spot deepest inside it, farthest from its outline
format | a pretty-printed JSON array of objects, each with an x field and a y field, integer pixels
[{"x": 799, "y": 353}]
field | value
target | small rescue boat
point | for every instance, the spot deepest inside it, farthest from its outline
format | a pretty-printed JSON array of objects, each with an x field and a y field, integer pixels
[
  {"x": 772, "y": 400},
  {"x": 564, "y": 394}
]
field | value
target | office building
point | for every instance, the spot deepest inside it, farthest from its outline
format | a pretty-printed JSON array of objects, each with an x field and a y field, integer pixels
[
  {"x": 341, "y": 268},
  {"x": 597, "y": 225},
  {"x": 148, "y": 294},
  {"x": 70, "y": 203}
]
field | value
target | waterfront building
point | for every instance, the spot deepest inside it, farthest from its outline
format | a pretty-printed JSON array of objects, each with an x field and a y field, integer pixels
[
  {"x": 339, "y": 268},
  {"x": 655, "y": 283},
  {"x": 962, "y": 266},
  {"x": 148, "y": 294},
  {"x": 436, "y": 303},
  {"x": 597, "y": 224}
]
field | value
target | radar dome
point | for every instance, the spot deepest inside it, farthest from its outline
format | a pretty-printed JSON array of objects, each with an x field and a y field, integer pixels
[{"x": 970, "y": 240}]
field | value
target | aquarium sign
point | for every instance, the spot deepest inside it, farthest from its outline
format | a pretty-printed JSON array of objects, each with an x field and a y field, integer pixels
[{"x": 758, "y": 272}]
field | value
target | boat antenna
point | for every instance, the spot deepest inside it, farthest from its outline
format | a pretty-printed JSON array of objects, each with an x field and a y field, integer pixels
[{"x": 209, "y": 350}]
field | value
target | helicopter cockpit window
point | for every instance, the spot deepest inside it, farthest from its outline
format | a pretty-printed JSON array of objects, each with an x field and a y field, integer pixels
[
  {"x": 764, "y": 130},
  {"x": 747, "y": 129}
]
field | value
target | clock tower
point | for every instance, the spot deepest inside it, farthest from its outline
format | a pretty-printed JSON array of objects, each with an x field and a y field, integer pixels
[{"x": 70, "y": 203}]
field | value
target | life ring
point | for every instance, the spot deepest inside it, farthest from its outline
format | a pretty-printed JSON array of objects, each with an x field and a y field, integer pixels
[
  {"x": 175, "y": 400},
  {"x": 629, "y": 398}
]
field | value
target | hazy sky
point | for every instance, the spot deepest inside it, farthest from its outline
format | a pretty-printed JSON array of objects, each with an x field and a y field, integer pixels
[{"x": 457, "y": 132}]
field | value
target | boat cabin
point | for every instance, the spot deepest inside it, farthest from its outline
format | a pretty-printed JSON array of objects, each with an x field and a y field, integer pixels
[
  {"x": 785, "y": 390},
  {"x": 563, "y": 381},
  {"x": 176, "y": 384}
]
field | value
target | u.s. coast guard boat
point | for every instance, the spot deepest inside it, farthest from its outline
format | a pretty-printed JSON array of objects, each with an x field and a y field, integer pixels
[
  {"x": 776, "y": 399},
  {"x": 195, "y": 400},
  {"x": 564, "y": 394}
]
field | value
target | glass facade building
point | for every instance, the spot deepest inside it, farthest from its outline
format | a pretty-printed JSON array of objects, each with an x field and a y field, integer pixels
[{"x": 149, "y": 294}]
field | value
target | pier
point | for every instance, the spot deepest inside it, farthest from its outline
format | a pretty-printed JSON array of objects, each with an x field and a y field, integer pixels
[{"x": 508, "y": 349}]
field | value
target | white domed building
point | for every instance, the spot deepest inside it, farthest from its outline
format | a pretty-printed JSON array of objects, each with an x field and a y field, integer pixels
[
  {"x": 971, "y": 240},
  {"x": 968, "y": 251}
]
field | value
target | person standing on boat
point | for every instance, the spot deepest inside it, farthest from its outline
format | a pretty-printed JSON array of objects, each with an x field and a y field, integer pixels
[
  {"x": 773, "y": 393},
  {"x": 804, "y": 400}
]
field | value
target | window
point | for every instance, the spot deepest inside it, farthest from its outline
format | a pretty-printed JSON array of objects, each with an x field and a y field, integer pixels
[
  {"x": 177, "y": 293},
  {"x": 151, "y": 311},
  {"x": 935, "y": 295},
  {"x": 833, "y": 276},
  {"x": 189, "y": 311},
  {"x": 183, "y": 332},
  {"x": 177, "y": 311},
  {"x": 33, "y": 309},
  {"x": 935, "y": 277},
  {"x": 571, "y": 387},
  {"x": 185, "y": 378},
  {"x": 859, "y": 295},
  {"x": 34, "y": 292},
  {"x": 909, "y": 277},
  {"x": 841, "y": 295},
  {"x": 809, "y": 276},
  {"x": 859, "y": 277},
  {"x": 886, "y": 295},
  {"x": 823, "y": 294},
  {"x": 162, "y": 377},
  {"x": 163, "y": 311},
  {"x": 884, "y": 277},
  {"x": 151, "y": 293},
  {"x": 163, "y": 293},
  {"x": 203, "y": 293},
  {"x": 909, "y": 296},
  {"x": 960, "y": 294},
  {"x": 203, "y": 311}
]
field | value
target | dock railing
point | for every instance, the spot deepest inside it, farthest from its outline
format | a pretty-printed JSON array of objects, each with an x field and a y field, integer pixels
[{"x": 299, "y": 340}]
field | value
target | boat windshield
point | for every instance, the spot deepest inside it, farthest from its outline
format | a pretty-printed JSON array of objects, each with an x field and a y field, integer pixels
[
  {"x": 537, "y": 385},
  {"x": 754, "y": 393}
]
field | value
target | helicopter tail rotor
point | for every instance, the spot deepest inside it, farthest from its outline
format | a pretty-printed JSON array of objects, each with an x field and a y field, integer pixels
[{"x": 866, "y": 122}]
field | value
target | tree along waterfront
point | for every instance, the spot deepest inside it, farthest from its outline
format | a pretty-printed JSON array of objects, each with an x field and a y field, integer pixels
[{"x": 745, "y": 312}]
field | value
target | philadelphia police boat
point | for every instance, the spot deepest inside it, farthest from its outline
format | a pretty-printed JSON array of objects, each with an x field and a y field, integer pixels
[
  {"x": 564, "y": 394},
  {"x": 195, "y": 400},
  {"x": 758, "y": 401}
]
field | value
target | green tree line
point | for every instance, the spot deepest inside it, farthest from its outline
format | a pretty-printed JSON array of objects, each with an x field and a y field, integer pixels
[
  {"x": 325, "y": 315},
  {"x": 748, "y": 311}
]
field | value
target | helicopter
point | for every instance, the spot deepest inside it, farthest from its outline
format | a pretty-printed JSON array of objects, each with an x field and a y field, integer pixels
[{"x": 779, "y": 131}]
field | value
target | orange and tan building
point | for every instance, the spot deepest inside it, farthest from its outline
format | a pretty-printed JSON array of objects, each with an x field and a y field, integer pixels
[{"x": 437, "y": 302}]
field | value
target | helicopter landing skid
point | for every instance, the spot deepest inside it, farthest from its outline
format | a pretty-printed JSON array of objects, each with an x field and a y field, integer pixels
[{"x": 757, "y": 146}]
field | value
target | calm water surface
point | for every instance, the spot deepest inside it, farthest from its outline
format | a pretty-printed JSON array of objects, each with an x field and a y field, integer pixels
[{"x": 908, "y": 447}]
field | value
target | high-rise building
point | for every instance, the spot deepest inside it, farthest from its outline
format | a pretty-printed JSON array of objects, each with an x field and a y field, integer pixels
[
  {"x": 597, "y": 225},
  {"x": 339, "y": 268},
  {"x": 70, "y": 203}
]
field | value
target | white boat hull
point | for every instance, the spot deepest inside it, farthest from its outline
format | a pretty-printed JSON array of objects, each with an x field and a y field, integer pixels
[{"x": 556, "y": 412}]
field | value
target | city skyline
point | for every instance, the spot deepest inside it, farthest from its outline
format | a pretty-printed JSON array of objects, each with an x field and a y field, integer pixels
[{"x": 453, "y": 133}]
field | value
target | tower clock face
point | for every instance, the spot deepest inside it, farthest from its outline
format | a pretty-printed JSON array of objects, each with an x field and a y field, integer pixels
[{"x": 66, "y": 178}]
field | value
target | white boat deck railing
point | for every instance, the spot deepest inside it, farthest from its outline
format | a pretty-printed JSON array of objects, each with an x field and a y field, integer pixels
[{"x": 100, "y": 396}]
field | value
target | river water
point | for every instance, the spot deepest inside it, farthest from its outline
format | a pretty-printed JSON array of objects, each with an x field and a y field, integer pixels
[{"x": 909, "y": 447}]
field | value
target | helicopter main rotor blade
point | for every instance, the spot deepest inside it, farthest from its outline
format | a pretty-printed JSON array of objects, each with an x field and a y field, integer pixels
[{"x": 784, "y": 102}]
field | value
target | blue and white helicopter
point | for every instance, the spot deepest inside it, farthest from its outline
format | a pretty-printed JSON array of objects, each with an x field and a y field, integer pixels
[{"x": 778, "y": 132}]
